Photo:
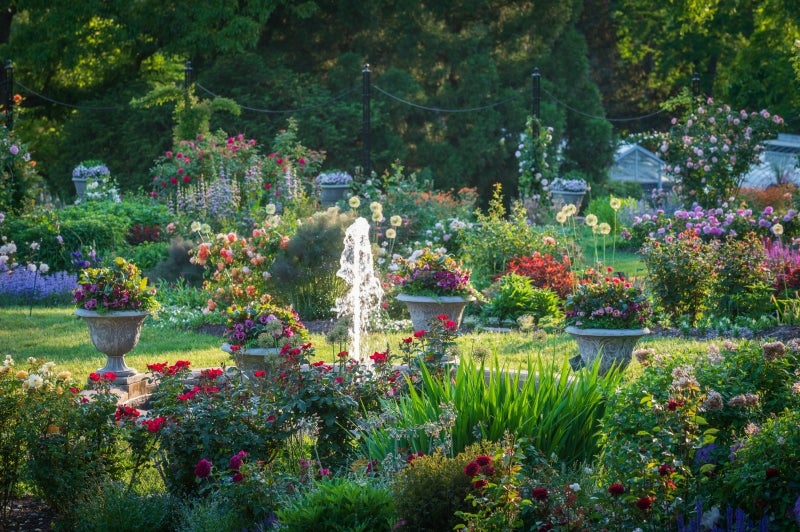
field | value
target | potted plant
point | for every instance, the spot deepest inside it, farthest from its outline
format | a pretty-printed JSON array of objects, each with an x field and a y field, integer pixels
[
  {"x": 568, "y": 189},
  {"x": 431, "y": 284},
  {"x": 260, "y": 330},
  {"x": 333, "y": 186},
  {"x": 607, "y": 315},
  {"x": 93, "y": 181},
  {"x": 114, "y": 301}
]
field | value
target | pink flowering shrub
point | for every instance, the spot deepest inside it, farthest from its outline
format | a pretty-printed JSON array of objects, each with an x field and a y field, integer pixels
[
  {"x": 607, "y": 302},
  {"x": 709, "y": 150}
]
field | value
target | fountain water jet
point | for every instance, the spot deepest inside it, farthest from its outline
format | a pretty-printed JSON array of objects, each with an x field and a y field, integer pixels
[{"x": 365, "y": 294}]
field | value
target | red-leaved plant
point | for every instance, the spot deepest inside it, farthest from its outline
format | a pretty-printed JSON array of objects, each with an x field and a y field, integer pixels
[{"x": 544, "y": 271}]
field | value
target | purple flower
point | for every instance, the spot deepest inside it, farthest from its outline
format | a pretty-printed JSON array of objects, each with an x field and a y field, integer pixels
[
  {"x": 796, "y": 510},
  {"x": 14, "y": 149}
]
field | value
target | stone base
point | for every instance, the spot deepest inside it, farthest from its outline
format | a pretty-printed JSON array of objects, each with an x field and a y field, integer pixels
[{"x": 131, "y": 387}]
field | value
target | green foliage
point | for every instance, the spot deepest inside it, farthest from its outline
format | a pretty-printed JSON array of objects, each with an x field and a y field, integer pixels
[
  {"x": 743, "y": 283},
  {"x": 432, "y": 488},
  {"x": 761, "y": 478},
  {"x": 674, "y": 432},
  {"x": 495, "y": 239},
  {"x": 213, "y": 419},
  {"x": 119, "y": 508},
  {"x": 304, "y": 273},
  {"x": 62, "y": 428},
  {"x": 557, "y": 411},
  {"x": 515, "y": 295},
  {"x": 20, "y": 182},
  {"x": 148, "y": 254},
  {"x": 680, "y": 275},
  {"x": 340, "y": 505}
]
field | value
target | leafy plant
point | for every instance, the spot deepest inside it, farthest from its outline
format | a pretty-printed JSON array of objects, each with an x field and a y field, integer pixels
[
  {"x": 606, "y": 302},
  {"x": 304, "y": 270},
  {"x": 119, "y": 286},
  {"x": 431, "y": 273},
  {"x": 515, "y": 295},
  {"x": 680, "y": 274},
  {"x": 557, "y": 411},
  {"x": 488, "y": 246},
  {"x": 340, "y": 504},
  {"x": 431, "y": 488},
  {"x": 544, "y": 271}
]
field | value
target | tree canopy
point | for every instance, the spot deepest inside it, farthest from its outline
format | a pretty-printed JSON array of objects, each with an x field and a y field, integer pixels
[{"x": 450, "y": 81}]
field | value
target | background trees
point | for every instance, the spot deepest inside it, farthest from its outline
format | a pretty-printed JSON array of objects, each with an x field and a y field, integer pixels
[{"x": 81, "y": 66}]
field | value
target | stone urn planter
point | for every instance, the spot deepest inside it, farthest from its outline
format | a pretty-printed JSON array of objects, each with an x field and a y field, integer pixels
[
  {"x": 114, "y": 333},
  {"x": 423, "y": 309},
  {"x": 80, "y": 186},
  {"x": 614, "y": 346},
  {"x": 329, "y": 195},
  {"x": 252, "y": 358},
  {"x": 563, "y": 197}
]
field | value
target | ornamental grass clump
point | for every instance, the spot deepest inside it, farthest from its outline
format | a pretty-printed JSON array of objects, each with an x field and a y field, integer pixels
[
  {"x": 434, "y": 273},
  {"x": 119, "y": 286},
  {"x": 606, "y": 302}
]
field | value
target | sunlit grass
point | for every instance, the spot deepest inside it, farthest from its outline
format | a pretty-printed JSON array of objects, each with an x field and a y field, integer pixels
[{"x": 54, "y": 334}]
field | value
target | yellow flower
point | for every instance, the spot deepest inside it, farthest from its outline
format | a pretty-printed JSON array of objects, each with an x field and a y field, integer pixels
[
  {"x": 375, "y": 206},
  {"x": 391, "y": 233},
  {"x": 195, "y": 227},
  {"x": 377, "y": 216},
  {"x": 561, "y": 217},
  {"x": 64, "y": 376},
  {"x": 21, "y": 374},
  {"x": 604, "y": 228},
  {"x": 777, "y": 229},
  {"x": 616, "y": 203},
  {"x": 396, "y": 221},
  {"x": 270, "y": 209},
  {"x": 569, "y": 209},
  {"x": 591, "y": 220},
  {"x": 354, "y": 202}
]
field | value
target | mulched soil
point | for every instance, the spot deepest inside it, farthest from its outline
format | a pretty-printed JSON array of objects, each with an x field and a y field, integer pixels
[
  {"x": 32, "y": 515},
  {"x": 29, "y": 515}
]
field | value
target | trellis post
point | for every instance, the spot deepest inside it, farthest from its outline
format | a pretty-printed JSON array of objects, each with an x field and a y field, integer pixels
[
  {"x": 365, "y": 121},
  {"x": 536, "y": 97},
  {"x": 8, "y": 91}
]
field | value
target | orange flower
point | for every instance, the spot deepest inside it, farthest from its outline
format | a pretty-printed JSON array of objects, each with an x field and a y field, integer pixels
[
  {"x": 17, "y": 99},
  {"x": 284, "y": 242}
]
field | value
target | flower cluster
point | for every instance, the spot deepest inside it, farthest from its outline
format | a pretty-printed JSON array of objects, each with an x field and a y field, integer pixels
[
  {"x": 431, "y": 273},
  {"x": 116, "y": 287},
  {"x": 265, "y": 325},
  {"x": 568, "y": 185},
  {"x": 709, "y": 150},
  {"x": 605, "y": 302},
  {"x": 719, "y": 222},
  {"x": 19, "y": 179},
  {"x": 335, "y": 177}
]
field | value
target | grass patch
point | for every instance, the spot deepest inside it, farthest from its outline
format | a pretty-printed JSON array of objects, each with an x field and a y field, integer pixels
[{"x": 55, "y": 334}]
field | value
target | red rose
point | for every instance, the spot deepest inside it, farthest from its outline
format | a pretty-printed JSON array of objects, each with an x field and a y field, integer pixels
[
  {"x": 645, "y": 503},
  {"x": 616, "y": 489}
]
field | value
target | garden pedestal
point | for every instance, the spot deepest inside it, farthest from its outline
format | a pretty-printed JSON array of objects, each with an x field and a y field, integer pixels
[{"x": 614, "y": 346}]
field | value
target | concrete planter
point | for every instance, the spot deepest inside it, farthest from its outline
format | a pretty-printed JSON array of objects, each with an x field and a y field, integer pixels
[
  {"x": 423, "y": 309},
  {"x": 612, "y": 345},
  {"x": 115, "y": 334}
]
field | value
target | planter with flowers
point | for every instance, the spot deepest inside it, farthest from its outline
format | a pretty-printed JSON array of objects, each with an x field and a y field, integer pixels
[
  {"x": 432, "y": 284},
  {"x": 261, "y": 331},
  {"x": 607, "y": 316},
  {"x": 568, "y": 189},
  {"x": 93, "y": 181},
  {"x": 333, "y": 186},
  {"x": 114, "y": 302}
]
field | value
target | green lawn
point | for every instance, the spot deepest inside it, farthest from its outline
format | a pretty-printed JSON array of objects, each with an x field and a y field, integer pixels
[{"x": 56, "y": 335}]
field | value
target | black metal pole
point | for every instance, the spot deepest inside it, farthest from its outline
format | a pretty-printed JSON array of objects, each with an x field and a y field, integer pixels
[
  {"x": 536, "y": 96},
  {"x": 187, "y": 75},
  {"x": 696, "y": 84},
  {"x": 365, "y": 123},
  {"x": 9, "y": 90}
]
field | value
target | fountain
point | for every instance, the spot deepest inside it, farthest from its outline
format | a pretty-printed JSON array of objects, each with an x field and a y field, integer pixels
[{"x": 365, "y": 294}]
